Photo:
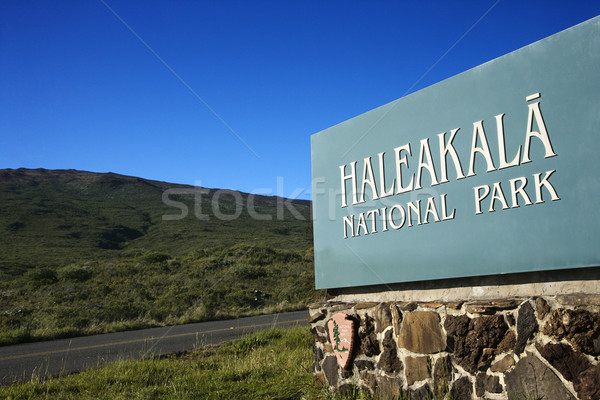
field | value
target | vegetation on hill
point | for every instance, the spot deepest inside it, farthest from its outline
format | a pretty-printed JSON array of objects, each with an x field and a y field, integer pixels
[
  {"x": 86, "y": 253},
  {"x": 57, "y": 217},
  {"x": 153, "y": 289}
]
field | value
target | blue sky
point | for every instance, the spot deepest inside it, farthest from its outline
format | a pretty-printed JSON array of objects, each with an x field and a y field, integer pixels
[{"x": 227, "y": 93}]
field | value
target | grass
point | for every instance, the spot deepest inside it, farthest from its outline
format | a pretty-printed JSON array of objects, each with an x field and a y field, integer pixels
[
  {"x": 273, "y": 364},
  {"x": 53, "y": 218},
  {"x": 270, "y": 364},
  {"x": 153, "y": 289},
  {"x": 84, "y": 253}
]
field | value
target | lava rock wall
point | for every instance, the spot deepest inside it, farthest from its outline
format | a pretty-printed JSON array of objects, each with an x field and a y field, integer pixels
[{"x": 536, "y": 347}]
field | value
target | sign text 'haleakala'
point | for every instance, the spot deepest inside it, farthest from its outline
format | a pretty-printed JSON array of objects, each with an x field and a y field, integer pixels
[
  {"x": 436, "y": 209},
  {"x": 489, "y": 172}
]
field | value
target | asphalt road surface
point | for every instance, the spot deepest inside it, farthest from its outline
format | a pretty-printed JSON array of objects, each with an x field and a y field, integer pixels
[{"x": 19, "y": 363}]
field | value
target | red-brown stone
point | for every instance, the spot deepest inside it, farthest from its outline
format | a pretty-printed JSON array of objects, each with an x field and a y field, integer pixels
[
  {"x": 389, "y": 361},
  {"x": 421, "y": 332},
  {"x": 542, "y": 307},
  {"x": 461, "y": 389},
  {"x": 417, "y": 369},
  {"x": 588, "y": 384},
  {"x": 476, "y": 341},
  {"x": 566, "y": 361},
  {"x": 580, "y": 327}
]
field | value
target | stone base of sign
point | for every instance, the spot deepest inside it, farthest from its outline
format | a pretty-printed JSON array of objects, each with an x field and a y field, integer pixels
[{"x": 537, "y": 346}]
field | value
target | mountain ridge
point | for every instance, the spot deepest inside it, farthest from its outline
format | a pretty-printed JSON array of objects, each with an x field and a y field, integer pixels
[
  {"x": 56, "y": 217},
  {"x": 11, "y": 173}
]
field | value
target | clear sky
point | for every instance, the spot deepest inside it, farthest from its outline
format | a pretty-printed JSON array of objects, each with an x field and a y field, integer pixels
[{"x": 227, "y": 93}]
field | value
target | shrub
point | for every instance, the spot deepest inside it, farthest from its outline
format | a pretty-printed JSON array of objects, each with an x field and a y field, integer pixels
[
  {"x": 153, "y": 257},
  {"x": 42, "y": 276},
  {"x": 15, "y": 226},
  {"x": 214, "y": 263},
  {"x": 250, "y": 272},
  {"x": 74, "y": 273},
  {"x": 173, "y": 263}
]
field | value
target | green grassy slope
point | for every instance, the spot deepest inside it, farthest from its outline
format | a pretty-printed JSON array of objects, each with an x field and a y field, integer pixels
[
  {"x": 153, "y": 290},
  {"x": 56, "y": 217},
  {"x": 84, "y": 253}
]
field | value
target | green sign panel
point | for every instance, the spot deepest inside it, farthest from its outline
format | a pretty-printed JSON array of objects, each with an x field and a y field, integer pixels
[{"x": 492, "y": 171}]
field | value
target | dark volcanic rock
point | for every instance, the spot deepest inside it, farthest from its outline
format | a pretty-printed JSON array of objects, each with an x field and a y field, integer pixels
[
  {"x": 318, "y": 356},
  {"x": 575, "y": 367},
  {"x": 389, "y": 361},
  {"x": 566, "y": 361},
  {"x": 388, "y": 388},
  {"x": 366, "y": 327},
  {"x": 346, "y": 373},
  {"x": 457, "y": 325},
  {"x": 533, "y": 378},
  {"x": 319, "y": 315},
  {"x": 383, "y": 317},
  {"x": 442, "y": 376},
  {"x": 364, "y": 365},
  {"x": 422, "y": 393},
  {"x": 487, "y": 383},
  {"x": 542, "y": 307},
  {"x": 370, "y": 346},
  {"x": 330, "y": 367},
  {"x": 317, "y": 336},
  {"x": 526, "y": 326},
  {"x": 508, "y": 343},
  {"x": 588, "y": 384},
  {"x": 476, "y": 341},
  {"x": 462, "y": 389},
  {"x": 579, "y": 327}
]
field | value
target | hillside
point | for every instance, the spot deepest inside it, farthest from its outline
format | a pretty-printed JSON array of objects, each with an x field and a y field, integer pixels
[
  {"x": 84, "y": 253},
  {"x": 57, "y": 217}
]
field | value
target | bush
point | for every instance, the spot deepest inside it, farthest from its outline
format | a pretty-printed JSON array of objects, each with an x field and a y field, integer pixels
[
  {"x": 173, "y": 263},
  {"x": 114, "y": 294},
  {"x": 42, "y": 276},
  {"x": 75, "y": 273},
  {"x": 250, "y": 272},
  {"x": 154, "y": 257},
  {"x": 215, "y": 263},
  {"x": 15, "y": 226}
]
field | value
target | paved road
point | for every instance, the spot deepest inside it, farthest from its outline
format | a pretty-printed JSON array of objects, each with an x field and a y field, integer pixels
[{"x": 19, "y": 363}]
